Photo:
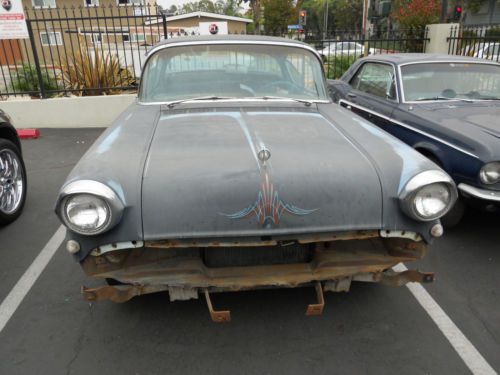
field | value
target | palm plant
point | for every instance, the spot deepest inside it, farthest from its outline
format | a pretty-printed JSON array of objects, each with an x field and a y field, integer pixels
[{"x": 90, "y": 72}]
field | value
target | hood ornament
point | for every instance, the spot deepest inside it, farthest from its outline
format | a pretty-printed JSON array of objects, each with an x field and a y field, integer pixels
[{"x": 264, "y": 155}]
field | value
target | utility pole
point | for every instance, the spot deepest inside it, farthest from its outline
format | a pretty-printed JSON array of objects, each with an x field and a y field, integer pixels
[
  {"x": 444, "y": 11},
  {"x": 325, "y": 23},
  {"x": 366, "y": 7}
]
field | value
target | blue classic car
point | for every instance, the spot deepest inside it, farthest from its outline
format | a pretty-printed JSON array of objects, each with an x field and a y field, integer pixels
[{"x": 446, "y": 107}]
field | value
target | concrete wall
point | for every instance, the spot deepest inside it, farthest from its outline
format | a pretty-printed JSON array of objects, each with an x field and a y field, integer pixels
[
  {"x": 89, "y": 111},
  {"x": 438, "y": 34}
]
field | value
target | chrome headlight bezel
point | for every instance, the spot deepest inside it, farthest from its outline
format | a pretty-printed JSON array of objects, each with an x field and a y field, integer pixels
[
  {"x": 494, "y": 167},
  {"x": 101, "y": 192},
  {"x": 424, "y": 180}
]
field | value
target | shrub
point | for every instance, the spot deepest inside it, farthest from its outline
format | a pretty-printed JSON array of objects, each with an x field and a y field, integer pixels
[
  {"x": 335, "y": 66},
  {"x": 26, "y": 80},
  {"x": 493, "y": 33},
  {"x": 92, "y": 73}
]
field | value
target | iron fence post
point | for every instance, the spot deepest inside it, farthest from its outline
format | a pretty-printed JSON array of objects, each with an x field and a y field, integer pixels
[
  {"x": 36, "y": 60},
  {"x": 165, "y": 30}
]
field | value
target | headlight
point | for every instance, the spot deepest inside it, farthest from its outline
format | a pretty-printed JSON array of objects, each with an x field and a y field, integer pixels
[
  {"x": 86, "y": 214},
  {"x": 490, "y": 173},
  {"x": 89, "y": 207},
  {"x": 428, "y": 196}
]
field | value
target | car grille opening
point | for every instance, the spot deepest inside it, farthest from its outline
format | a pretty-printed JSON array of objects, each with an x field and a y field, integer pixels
[{"x": 216, "y": 257}]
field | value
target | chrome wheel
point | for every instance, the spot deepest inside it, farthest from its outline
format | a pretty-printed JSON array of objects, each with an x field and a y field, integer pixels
[{"x": 11, "y": 182}]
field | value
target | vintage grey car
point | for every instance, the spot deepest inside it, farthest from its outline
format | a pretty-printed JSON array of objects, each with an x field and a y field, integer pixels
[{"x": 234, "y": 171}]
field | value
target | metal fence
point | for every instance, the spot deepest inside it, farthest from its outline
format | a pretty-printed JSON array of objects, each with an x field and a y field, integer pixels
[
  {"x": 96, "y": 50},
  {"x": 475, "y": 41},
  {"x": 85, "y": 50},
  {"x": 340, "y": 49}
]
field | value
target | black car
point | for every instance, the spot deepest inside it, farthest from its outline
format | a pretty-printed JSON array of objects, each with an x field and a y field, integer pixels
[
  {"x": 446, "y": 107},
  {"x": 13, "y": 184}
]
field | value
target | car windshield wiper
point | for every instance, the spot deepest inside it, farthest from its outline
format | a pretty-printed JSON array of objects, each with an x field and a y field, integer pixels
[
  {"x": 211, "y": 97},
  {"x": 488, "y": 98},
  {"x": 269, "y": 97},
  {"x": 445, "y": 98}
]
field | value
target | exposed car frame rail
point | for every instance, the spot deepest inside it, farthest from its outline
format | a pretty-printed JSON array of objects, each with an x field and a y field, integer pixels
[{"x": 171, "y": 267}]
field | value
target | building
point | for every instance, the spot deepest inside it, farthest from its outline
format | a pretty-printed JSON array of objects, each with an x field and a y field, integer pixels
[
  {"x": 488, "y": 14},
  {"x": 195, "y": 21}
]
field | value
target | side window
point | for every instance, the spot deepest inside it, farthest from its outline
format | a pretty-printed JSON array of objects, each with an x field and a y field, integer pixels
[{"x": 375, "y": 79}]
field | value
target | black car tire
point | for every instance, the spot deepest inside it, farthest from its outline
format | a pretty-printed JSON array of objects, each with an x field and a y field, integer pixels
[{"x": 7, "y": 146}]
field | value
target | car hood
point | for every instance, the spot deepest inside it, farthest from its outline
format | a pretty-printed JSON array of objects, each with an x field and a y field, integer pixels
[
  {"x": 206, "y": 175},
  {"x": 474, "y": 124}
]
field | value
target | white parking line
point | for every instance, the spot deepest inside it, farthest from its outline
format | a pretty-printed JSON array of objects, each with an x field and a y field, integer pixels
[
  {"x": 469, "y": 354},
  {"x": 24, "y": 284}
]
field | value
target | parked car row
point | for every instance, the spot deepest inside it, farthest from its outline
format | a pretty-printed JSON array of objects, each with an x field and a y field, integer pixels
[
  {"x": 487, "y": 50},
  {"x": 343, "y": 49}
]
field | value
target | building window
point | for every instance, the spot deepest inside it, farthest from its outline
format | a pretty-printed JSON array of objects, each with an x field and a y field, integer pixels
[
  {"x": 91, "y": 3},
  {"x": 138, "y": 38},
  {"x": 130, "y": 2},
  {"x": 44, "y": 3},
  {"x": 126, "y": 37},
  {"x": 96, "y": 38},
  {"x": 51, "y": 38}
]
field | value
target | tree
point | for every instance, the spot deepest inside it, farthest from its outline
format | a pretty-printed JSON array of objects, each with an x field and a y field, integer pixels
[
  {"x": 415, "y": 14},
  {"x": 255, "y": 11},
  {"x": 278, "y": 15},
  {"x": 347, "y": 15},
  {"x": 228, "y": 7},
  {"x": 343, "y": 15}
]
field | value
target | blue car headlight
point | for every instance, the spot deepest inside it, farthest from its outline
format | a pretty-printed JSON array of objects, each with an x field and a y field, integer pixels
[{"x": 490, "y": 173}]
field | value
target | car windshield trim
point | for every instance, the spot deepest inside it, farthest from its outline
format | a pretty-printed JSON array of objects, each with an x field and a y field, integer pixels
[
  {"x": 436, "y": 98},
  {"x": 451, "y": 61},
  {"x": 249, "y": 99}
]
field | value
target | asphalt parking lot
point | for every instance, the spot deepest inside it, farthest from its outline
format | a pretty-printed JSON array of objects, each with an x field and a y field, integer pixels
[{"x": 374, "y": 329}]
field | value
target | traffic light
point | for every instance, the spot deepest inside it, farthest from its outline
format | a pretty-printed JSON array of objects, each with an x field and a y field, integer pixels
[
  {"x": 302, "y": 17},
  {"x": 457, "y": 13}
]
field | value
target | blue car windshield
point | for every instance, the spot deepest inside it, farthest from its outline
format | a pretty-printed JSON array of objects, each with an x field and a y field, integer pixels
[
  {"x": 232, "y": 71},
  {"x": 451, "y": 81}
]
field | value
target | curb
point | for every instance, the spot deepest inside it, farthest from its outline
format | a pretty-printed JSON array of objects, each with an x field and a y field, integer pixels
[{"x": 28, "y": 133}]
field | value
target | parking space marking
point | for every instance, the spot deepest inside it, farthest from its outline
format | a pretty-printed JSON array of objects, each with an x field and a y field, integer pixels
[
  {"x": 25, "y": 283},
  {"x": 469, "y": 354}
]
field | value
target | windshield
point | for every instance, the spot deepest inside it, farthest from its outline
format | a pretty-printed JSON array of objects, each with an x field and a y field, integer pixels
[
  {"x": 234, "y": 71},
  {"x": 451, "y": 81}
]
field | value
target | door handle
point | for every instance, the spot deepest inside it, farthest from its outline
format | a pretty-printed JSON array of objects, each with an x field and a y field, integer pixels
[{"x": 351, "y": 95}]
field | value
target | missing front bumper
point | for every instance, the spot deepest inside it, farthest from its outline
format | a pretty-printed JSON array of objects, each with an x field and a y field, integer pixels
[{"x": 332, "y": 266}]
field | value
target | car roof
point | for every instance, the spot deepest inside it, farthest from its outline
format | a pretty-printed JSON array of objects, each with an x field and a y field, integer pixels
[
  {"x": 231, "y": 38},
  {"x": 405, "y": 58}
]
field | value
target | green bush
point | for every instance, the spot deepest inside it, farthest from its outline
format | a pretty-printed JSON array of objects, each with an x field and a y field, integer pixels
[
  {"x": 336, "y": 66},
  {"x": 25, "y": 79},
  {"x": 493, "y": 33}
]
